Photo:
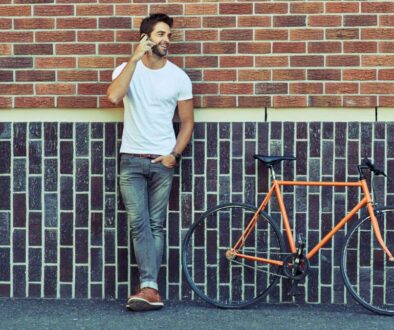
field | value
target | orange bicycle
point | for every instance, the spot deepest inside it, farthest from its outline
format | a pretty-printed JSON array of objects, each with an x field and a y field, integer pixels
[{"x": 234, "y": 254}]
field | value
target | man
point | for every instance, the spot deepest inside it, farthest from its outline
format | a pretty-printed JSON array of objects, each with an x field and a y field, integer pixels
[{"x": 151, "y": 88}]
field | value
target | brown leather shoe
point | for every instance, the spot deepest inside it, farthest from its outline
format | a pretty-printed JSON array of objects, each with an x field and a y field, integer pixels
[{"x": 147, "y": 299}]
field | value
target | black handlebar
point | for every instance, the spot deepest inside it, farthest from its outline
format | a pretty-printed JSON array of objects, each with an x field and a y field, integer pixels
[{"x": 366, "y": 164}]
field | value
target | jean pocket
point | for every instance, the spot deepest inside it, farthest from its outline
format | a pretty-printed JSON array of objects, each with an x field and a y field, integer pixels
[{"x": 165, "y": 168}]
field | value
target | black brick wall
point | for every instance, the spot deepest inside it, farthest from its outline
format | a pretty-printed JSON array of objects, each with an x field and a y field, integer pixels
[{"x": 64, "y": 232}]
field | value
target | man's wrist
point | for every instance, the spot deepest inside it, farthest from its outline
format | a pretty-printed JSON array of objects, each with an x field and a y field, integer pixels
[
  {"x": 177, "y": 156},
  {"x": 134, "y": 60}
]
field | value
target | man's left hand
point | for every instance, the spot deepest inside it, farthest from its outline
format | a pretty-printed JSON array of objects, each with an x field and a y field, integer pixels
[{"x": 167, "y": 161}]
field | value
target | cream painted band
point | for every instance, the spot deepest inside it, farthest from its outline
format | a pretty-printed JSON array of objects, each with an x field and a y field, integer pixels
[{"x": 207, "y": 115}]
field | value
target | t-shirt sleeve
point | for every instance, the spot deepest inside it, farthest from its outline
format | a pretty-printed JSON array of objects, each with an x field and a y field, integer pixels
[
  {"x": 118, "y": 70},
  {"x": 185, "y": 92}
]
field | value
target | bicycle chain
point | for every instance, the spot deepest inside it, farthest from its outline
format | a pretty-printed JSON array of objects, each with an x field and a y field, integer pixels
[{"x": 261, "y": 270}]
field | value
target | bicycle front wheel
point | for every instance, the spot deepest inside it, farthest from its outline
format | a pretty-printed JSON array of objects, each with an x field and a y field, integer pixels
[
  {"x": 366, "y": 270},
  {"x": 231, "y": 283}
]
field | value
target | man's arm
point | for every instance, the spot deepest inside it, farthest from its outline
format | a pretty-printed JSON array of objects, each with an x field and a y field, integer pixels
[
  {"x": 186, "y": 121},
  {"x": 118, "y": 89}
]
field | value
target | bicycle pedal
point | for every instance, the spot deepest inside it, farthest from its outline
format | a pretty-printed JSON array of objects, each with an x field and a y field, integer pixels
[{"x": 301, "y": 240}]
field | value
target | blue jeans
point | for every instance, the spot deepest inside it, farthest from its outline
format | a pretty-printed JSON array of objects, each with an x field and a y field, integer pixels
[{"x": 145, "y": 189}]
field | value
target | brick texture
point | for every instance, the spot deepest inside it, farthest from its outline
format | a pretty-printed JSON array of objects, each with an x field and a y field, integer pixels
[
  {"x": 62, "y": 217},
  {"x": 221, "y": 40}
]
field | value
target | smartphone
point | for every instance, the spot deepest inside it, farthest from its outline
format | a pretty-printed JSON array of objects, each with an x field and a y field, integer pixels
[{"x": 143, "y": 35}]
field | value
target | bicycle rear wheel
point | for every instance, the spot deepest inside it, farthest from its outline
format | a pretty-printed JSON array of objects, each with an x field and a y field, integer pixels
[
  {"x": 366, "y": 270},
  {"x": 231, "y": 283}
]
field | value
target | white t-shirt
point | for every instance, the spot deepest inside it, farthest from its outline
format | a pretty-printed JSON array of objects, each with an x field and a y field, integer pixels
[{"x": 149, "y": 107}]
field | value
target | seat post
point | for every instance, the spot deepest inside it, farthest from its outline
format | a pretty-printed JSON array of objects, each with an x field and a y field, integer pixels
[{"x": 271, "y": 168}]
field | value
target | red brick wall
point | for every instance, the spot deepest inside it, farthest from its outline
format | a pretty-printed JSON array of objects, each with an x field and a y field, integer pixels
[{"x": 238, "y": 53}]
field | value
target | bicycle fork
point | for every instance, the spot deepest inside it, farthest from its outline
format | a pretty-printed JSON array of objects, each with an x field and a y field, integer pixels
[
  {"x": 379, "y": 238},
  {"x": 374, "y": 221}
]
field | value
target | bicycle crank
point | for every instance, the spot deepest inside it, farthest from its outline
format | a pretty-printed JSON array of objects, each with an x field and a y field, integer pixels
[{"x": 296, "y": 268}]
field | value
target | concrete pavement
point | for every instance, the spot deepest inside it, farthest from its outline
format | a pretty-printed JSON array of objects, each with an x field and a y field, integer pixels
[{"x": 98, "y": 314}]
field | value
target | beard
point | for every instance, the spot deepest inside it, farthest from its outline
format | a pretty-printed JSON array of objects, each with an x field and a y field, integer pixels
[{"x": 157, "y": 51}]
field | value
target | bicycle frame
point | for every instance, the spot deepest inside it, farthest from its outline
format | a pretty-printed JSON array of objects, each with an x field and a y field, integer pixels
[{"x": 366, "y": 201}]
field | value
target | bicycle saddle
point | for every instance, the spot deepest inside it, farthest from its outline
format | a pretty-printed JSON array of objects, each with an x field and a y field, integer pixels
[{"x": 271, "y": 160}]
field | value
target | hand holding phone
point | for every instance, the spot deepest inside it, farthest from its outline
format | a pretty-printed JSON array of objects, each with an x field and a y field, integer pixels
[{"x": 144, "y": 46}]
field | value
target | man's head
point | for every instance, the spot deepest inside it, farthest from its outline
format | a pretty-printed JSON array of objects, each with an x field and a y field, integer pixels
[{"x": 158, "y": 29}]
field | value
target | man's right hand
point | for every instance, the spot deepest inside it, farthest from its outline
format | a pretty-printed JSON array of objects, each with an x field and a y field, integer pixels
[{"x": 144, "y": 46}]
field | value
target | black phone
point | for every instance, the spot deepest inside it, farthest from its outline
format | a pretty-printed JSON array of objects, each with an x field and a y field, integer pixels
[{"x": 143, "y": 35}]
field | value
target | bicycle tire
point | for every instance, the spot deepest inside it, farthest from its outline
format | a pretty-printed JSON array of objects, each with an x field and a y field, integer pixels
[
  {"x": 214, "y": 278},
  {"x": 366, "y": 271}
]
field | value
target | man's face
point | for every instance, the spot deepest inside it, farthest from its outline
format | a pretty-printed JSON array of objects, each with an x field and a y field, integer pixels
[{"x": 161, "y": 35}]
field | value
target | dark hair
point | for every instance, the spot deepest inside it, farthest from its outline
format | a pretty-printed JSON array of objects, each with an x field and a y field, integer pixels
[{"x": 148, "y": 23}]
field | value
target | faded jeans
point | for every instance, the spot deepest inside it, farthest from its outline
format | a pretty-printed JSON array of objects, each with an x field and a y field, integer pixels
[{"x": 145, "y": 189}]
